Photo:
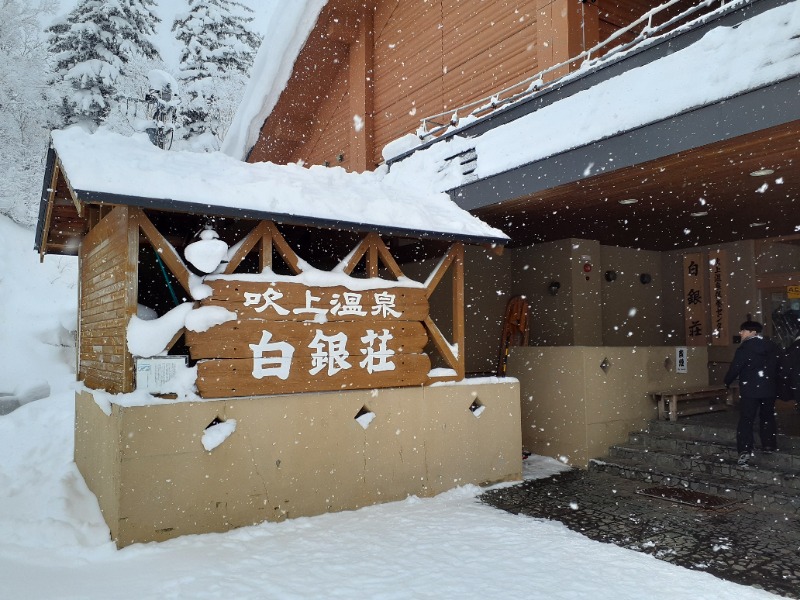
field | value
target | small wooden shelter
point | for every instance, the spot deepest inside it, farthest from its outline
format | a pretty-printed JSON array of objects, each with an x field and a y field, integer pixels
[
  {"x": 366, "y": 325},
  {"x": 316, "y": 375}
]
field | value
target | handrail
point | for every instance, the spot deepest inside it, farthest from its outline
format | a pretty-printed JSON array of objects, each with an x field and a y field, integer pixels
[{"x": 536, "y": 83}]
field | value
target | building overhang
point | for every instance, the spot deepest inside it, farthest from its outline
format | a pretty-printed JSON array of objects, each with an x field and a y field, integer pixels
[
  {"x": 699, "y": 161},
  {"x": 667, "y": 171}
]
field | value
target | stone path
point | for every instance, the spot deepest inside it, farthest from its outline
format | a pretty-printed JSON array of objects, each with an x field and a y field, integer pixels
[{"x": 737, "y": 542}]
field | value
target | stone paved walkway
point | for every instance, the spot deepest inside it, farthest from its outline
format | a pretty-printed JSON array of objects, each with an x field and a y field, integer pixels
[{"x": 738, "y": 542}]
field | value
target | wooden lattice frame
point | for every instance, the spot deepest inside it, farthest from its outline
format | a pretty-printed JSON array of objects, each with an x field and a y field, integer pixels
[{"x": 371, "y": 249}]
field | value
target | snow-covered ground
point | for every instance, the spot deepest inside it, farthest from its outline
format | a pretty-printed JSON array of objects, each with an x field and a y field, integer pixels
[{"x": 54, "y": 543}]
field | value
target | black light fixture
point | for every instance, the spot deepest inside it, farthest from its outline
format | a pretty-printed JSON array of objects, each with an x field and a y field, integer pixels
[
  {"x": 554, "y": 287},
  {"x": 645, "y": 278},
  {"x": 611, "y": 276}
]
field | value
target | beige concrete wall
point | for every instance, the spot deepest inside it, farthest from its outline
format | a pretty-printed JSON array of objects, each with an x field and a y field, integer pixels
[
  {"x": 573, "y": 411},
  {"x": 586, "y": 292},
  {"x": 97, "y": 443},
  {"x": 777, "y": 257},
  {"x": 290, "y": 456},
  {"x": 532, "y": 270},
  {"x": 632, "y": 311}
]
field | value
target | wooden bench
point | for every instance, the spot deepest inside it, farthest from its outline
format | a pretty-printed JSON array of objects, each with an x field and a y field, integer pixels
[{"x": 692, "y": 401}]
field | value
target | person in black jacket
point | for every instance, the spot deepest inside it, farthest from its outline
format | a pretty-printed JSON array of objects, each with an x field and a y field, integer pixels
[
  {"x": 755, "y": 364},
  {"x": 789, "y": 363}
]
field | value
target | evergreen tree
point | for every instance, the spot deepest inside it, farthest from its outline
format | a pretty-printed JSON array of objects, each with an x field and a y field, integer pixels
[
  {"x": 218, "y": 49},
  {"x": 90, "y": 48}
]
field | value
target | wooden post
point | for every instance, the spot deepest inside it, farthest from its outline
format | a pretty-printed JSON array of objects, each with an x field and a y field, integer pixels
[
  {"x": 289, "y": 256},
  {"x": 454, "y": 258},
  {"x": 167, "y": 252},
  {"x": 265, "y": 252},
  {"x": 361, "y": 93},
  {"x": 458, "y": 307},
  {"x": 251, "y": 239},
  {"x": 131, "y": 289}
]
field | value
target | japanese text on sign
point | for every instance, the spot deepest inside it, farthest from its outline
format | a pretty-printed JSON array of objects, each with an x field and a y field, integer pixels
[
  {"x": 330, "y": 354},
  {"x": 382, "y": 304}
]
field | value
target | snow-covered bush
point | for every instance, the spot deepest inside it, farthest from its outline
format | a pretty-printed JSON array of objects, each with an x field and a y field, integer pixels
[{"x": 217, "y": 51}]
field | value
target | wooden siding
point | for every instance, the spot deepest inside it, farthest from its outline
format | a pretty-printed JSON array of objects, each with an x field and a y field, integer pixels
[
  {"x": 427, "y": 57},
  {"x": 332, "y": 127},
  {"x": 436, "y": 56},
  {"x": 487, "y": 47},
  {"x": 107, "y": 301}
]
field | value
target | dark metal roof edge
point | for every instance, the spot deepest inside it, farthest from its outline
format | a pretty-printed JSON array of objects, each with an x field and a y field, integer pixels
[
  {"x": 459, "y": 191},
  {"x": 680, "y": 38},
  {"x": 243, "y": 213},
  {"x": 50, "y": 165}
]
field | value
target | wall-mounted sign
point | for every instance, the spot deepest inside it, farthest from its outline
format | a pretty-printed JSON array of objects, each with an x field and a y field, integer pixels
[
  {"x": 793, "y": 292},
  {"x": 695, "y": 303},
  {"x": 681, "y": 360},
  {"x": 289, "y": 337},
  {"x": 718, "y": 274}
]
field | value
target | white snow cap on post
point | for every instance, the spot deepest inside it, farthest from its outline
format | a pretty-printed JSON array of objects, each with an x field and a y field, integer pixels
[{"x": 207, "y": 253}]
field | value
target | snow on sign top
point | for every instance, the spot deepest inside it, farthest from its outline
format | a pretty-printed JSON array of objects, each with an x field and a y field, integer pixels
[{"x": 108, "y": 163}]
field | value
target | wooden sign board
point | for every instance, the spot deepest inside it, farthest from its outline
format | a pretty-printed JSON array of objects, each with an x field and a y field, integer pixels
[
  {"x": 695, "y": 302},
  {"x": 294, "y": 338}
]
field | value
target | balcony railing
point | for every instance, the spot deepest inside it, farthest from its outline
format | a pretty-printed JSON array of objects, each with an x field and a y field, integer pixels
[{"x": 642, "y": 28}]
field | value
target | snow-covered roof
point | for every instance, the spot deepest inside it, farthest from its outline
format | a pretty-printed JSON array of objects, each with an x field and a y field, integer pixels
[
  {"x": 285, "y": 37},
  {"x": 725, "y": 62},
  {"x": 105, "y": 166}
]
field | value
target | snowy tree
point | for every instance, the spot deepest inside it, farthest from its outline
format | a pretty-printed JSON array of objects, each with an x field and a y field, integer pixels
[
  {"x": 23, "y": 110},
  {"x": 218, "y": 49},
  {"x": 91, "y": 47}
]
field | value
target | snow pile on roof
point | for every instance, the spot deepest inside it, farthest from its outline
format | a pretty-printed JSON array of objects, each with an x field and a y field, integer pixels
[
  {"x": 109, "y": 163},
  {"x": 725, "y": 62},
  {"x": 284, "y": 39}
]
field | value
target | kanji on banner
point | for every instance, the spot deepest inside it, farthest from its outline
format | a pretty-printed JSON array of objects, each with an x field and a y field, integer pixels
[
  {"x": 718, "y": 273},
  {"x": 695, "y": 302}
]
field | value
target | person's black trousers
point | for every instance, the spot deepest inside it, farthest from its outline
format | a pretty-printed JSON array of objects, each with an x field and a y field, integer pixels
[{"x": 767, "y": 430}]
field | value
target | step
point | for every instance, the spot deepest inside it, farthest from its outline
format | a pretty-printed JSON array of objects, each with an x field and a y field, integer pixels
[
  {"x": 762, "y": 469},
  {"x": 782, "y": 460},
  {"x": 710, "y": 433},
  {"x": 769, "y": 497}
]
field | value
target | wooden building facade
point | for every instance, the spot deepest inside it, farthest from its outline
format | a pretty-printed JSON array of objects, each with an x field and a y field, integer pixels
[{"x": 372, "y": 69}]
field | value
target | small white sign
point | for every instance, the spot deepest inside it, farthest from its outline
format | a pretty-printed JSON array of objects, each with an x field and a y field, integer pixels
[
  {"x": 155, "y": 374},
  {"x": 681, "y": 360}
]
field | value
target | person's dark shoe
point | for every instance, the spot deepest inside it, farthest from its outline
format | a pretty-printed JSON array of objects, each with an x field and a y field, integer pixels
[{"x": 744, "y": 459}]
